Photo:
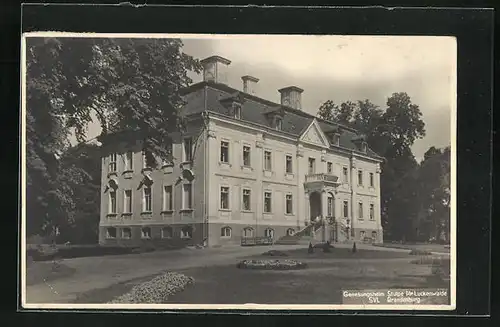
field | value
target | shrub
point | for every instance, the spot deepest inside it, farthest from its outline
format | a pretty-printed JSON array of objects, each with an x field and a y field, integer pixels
[
  {"x": 275, "y": 253},
  {"x": 420, "y": 252},
  {"x": 156, "y": 290},
  {"x": 271, "y": 264}
]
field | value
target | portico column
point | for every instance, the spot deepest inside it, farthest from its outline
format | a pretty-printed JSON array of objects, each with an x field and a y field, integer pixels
[
  {"x": 307, "y": 207},
  {"x": 324, "y": 212}
]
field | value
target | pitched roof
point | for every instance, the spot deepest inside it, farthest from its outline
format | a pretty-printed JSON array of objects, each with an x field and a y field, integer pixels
[{"x": 254, "y": 109}]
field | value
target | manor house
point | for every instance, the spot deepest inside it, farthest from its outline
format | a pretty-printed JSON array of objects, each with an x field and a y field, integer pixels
[{"x": 245, "y": 167}]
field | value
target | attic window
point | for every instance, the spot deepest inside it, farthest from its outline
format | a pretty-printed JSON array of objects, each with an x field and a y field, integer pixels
[
  {"x": 336, "y": 139},
  {"x": 363, "y": 146},
  {"x": 278, "y": 123},
  {"x": 237, "y": 110}
]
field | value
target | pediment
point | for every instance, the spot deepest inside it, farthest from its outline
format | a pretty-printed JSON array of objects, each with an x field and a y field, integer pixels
[{"x": 314, "y": 135}]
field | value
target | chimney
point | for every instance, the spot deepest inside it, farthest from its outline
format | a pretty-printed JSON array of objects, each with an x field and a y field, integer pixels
[
  {"x": 249, "y": 84},
  {"x": 215, "y": 69},
  {"x": 291, "y": 96}
]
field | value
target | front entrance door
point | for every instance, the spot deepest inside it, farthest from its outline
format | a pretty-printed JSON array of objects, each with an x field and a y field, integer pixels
[{"x": 315, "y": 205}]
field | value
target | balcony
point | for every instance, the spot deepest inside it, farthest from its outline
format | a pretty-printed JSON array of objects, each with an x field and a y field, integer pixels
[{"x": 322, "y": 179}]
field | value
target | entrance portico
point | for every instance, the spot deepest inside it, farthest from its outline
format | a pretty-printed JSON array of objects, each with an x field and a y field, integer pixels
[{"x": 320, "y": 190}]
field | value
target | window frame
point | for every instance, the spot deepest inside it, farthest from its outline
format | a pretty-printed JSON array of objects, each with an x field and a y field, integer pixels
[
  {"x": 345, "y": 175},
  {"x": 360, "y": 177},
  {"x": 345, "y": 208},
  {"x": 227, "y": 193},
  {"x": 130, "y": 204},
  {"x": 249, "y": 155},
  {"x": 187, "y": 156},
  {"x": 112, "y": 205},
  {"x": 190, "y": 196},
  {"x": 129, "y": 162},
  {"x": 361, "y": 210},
  {"x": 270, "y": 202},
  {"x": 266, "y": 168},
  {"x": 311, "y": 165},
  {"x": 144, "y": 235},
  {"x": 223, "y": 231},
  {"x": 244, "y": 232},
  {"x": 221, "y": 147},
  {"x": 144, "y": 199},
  {"x": 243, "y": 199},
  {"x": 288, "y": 171},
  {"x": 291, "y": 204},
  {"x": 168, "y": 207},
  {"x": 123, "y": 230},
  {"x": 271, "y": 230},
  {"x": 189, "y": 232},
  {"x": 329, "y": 167},
  {"x": 108, "y": 235},
  {"x": 372, "y": 179},
  {"x": 372, "y": 212},
  {"x": 112, "y": 163}
]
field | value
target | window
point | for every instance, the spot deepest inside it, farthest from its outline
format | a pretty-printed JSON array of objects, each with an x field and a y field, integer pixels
[
  {"x": 374, "y": 235},
  {"x": 246, "y": 199},
  {"x": 188, "y": 149},
  {"x": 312, "y": 165},
  {"x": 345, "y": 176},
  {"x": 267, "y": 160},
  {"x": 112, "y": 163},
  {"x": 127, "y": 201},
  {"x": 169, "y": 149},
  {"x": 330, "y": 207},
  {"x": 267, "y": 202},
  {"x": 372, "y": 182},
  {"x": 278, "y": 123},
  {"x": 248, "y": 232},
  {"x": 126, "y": 233},
  {"x": 269, "y": 232},
  {"x": 146, "y": 159},
  {"x": 167, "y": 232},
  {"x": 224, "y": 197},
  {"x": 225, "y": 232},
  {"x": 360, "y": 177},
  {"x": 186, "y": 232},
  {"x": 112, "y": 201},
  {"x": 111, "y": 232},
  {"x": 290, "y": 231},
  {"x": 224, "y": 151},
  {"x": 360, "y": 210},
  {"x": 147, "y": 199},
  {"x": 346, "y": 209},
  {"x": 329, "y": 167},
  {"x": 372, "y": 211},
  {"x": 289, "y": 204},
  {"x": 362, "y": 235},
  {"x": 187, "y": 200},
  {"x": 246, "y": 156},
  {"x": 167, "y": 198},
  {"x": 237, "y": 110},
  {"x": 129, "y": 160},
  {"x": 336, "y": 139},
  {"x": 288, "y": 165},
  {"x": 146, "y": 232}
]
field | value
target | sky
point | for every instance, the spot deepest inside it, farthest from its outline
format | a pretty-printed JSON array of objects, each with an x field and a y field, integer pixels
[{"x": 342, "y": 68}]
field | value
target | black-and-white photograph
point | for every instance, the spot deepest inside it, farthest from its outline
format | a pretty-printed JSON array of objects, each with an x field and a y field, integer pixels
[{"x": 238, "y": 171}]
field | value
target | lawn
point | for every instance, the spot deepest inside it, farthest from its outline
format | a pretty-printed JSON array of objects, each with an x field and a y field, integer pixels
[
  {"x": 43, "y": 272},
  {"x": 321, "y": 283}
]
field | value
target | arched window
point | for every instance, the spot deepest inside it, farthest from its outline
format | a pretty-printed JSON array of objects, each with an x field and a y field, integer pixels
[
  {"x": 166, "y": 232},
  {"x": 290, "y": 231},
  {"x": 225, "y": 232},
  {"x": 146, "y": 232},
  {"x": 374, "y": 235},
  {"x": 187, "y": 232},
  {"x": 248, "y": 232},
  {"x": 126, "y": 233},
  {"x": 269, "y": 232}
]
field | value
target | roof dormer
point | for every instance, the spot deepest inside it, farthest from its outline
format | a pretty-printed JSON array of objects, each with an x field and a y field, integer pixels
[
  {"x": 360, "y": 142},
  {"x": 233, "y": 103},
  {"x": 275, "y": 118},
  {"x": 334, "y": 135}
]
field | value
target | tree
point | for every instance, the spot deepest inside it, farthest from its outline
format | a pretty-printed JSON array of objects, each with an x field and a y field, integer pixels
[
  {"x": 127, "y": 84},
  {"x": 390, "y": 133},
  {"x": 434, "y": 194}
]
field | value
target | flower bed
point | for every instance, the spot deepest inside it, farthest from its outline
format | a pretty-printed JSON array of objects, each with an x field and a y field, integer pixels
[
  {"x": 156, "y": 290},
  {"x": 271, "y": 264}
]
